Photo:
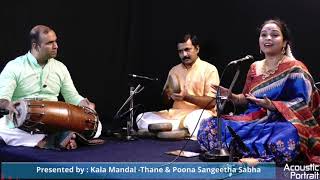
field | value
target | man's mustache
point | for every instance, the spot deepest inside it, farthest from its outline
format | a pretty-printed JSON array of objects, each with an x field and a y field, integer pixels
[{"x": 184, "y": 58}]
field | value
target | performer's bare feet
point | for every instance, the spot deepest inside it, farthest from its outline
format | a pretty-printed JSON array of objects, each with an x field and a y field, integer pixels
[{"x": 72, "y": 144}]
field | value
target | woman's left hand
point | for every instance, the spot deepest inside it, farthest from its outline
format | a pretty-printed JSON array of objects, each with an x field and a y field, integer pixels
[{"x": 265, "y": 102}]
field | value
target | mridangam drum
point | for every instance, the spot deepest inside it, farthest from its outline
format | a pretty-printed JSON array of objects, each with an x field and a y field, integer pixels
[{"x": 51, "y": 116}]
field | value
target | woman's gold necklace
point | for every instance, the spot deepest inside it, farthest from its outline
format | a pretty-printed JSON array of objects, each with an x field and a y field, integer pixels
[{"x": 266, "y": 72}]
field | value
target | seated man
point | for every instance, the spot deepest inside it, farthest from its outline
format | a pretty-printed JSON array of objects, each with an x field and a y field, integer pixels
[
  {"x": 188, "y": 85},
  {"x": 37, "y": 75}
]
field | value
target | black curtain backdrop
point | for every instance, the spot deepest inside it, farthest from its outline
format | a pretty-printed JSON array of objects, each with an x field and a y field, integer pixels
[{"x": 101, "y": 42}]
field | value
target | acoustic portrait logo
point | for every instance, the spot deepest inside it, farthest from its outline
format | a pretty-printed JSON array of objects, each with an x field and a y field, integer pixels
[{"x": 310, "y": 171}]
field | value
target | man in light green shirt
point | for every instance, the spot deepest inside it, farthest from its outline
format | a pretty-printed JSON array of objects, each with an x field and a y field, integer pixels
[{"x": 36, "y": 75}]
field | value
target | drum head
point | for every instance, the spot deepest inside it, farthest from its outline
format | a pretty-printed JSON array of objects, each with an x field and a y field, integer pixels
[
  {"x": 22, "y": 108},
  {"x": 173, "y": 135},
  {"x": 159, "y": 127}
]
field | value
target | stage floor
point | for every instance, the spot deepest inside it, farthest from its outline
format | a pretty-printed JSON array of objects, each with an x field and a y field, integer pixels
[{"x": 113, "y": 150}]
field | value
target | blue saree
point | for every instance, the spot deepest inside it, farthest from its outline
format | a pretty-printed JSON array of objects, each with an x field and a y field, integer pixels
[{"x": 278, "y": 135}]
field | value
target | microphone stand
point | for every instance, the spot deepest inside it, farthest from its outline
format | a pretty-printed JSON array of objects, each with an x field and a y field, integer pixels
[
  {"x": 221, "y": 154},
  {"x": 129, "y": 128}
]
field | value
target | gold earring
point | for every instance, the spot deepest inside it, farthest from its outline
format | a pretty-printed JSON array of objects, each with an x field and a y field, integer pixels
[{"x": 283, "y": 51}]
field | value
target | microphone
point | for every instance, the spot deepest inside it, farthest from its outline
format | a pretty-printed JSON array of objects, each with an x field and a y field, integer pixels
[
  {"x": 238, "y": 140},
  {"x": 143, "y": 77},
  {"x": 248, "y": 57}
]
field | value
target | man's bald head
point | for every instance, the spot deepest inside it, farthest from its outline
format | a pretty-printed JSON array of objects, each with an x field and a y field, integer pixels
[{"x": 36, "y": 32}]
